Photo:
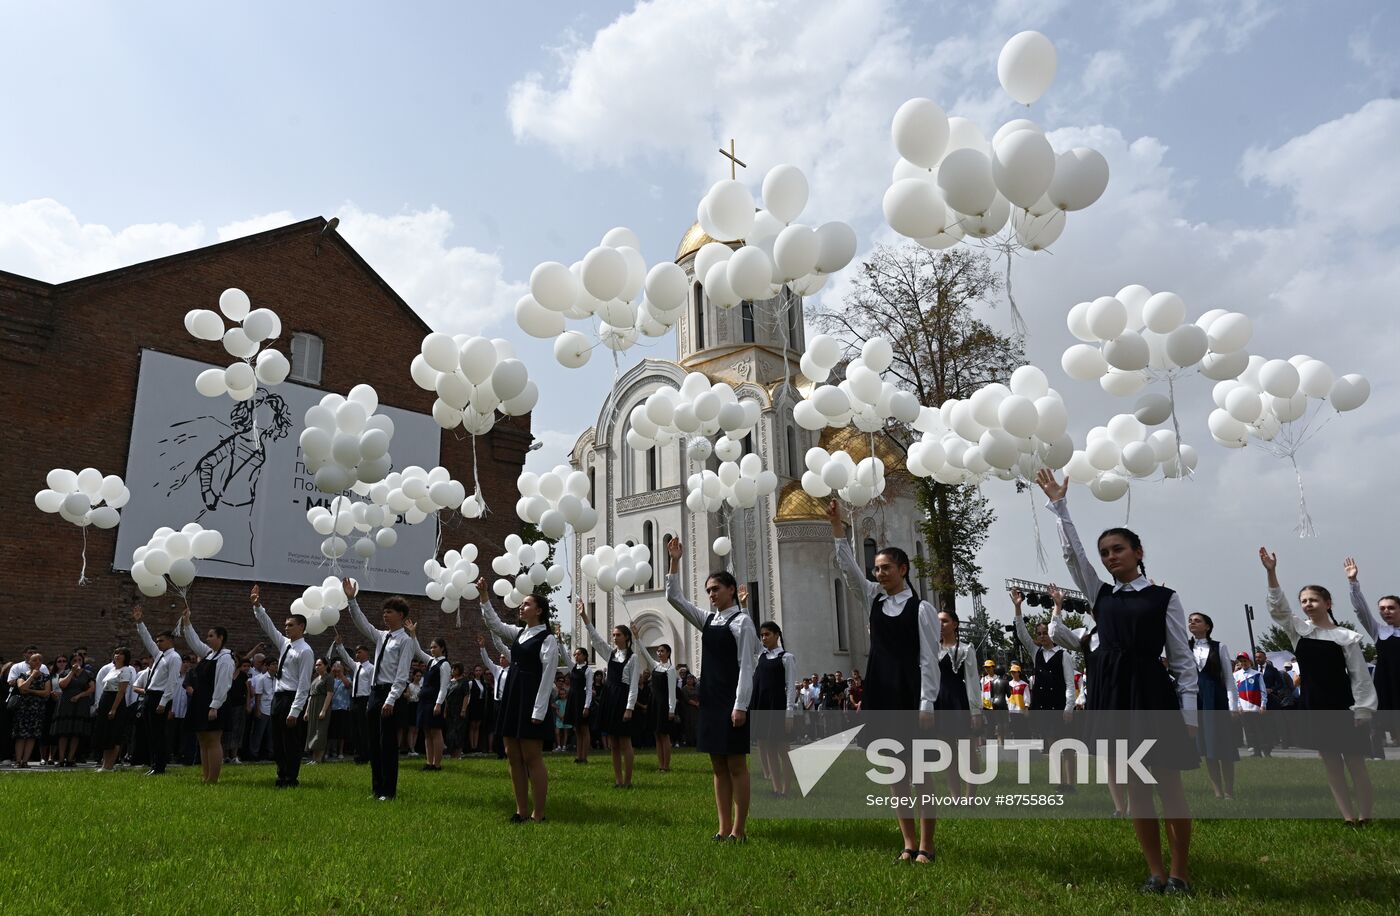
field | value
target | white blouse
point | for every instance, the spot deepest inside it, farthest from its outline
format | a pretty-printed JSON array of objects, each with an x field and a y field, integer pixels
[
  {"x": 789, "y": 674},
  {"x": 1363, "y": 689},
  {"x": 631, "y": 662},
  {"x": 1023, "y": 633},
  {"x": 549, "y": 652},
  {"x": 1371, "y": 622}
]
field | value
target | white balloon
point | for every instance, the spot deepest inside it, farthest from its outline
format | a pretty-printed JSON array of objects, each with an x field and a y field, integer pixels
[
  {"x": 722, "y": 546},
  {"x": 1081, "y": 175},
  {"x": 795, "y": 251},
  {"x": 1279, "y": 378},
  {"x": 1083, "y": 363},
  {"x": 1187, "y": 345},
  {"x": 836, "y": 244},
  {"x": 989, "y": 223},
  {"x": 1244, "y": 404},
  {"x": 572, "y": 350},
  {"x": 237, "y": 344},
  {"x": 1026, "y": 66},
  {"x": 750, "y": 273},
  {"x": 211, "y": 384},
  {"x": 1078, "y": 322},
  {"x": 1218, "y": 366},
  {"x": 666, "y": 286},
  {"x": 536, "y": 320},
  {"x": 1315, "y": 378},
  {"x": 914, "y": 209},
  {"x": 965, "y": 179},
  {"x": 1128, "y": 352},
  {"x": 1038, "y": 233},
  {"x": 272, "y": 367},
  {"x": 785, "y": 191},
  {"x": 1153, "y": 409},
  {"x": 1230, "y": 332},
  {"x": 920, "y": 131},
  {"x": 1107, "y": 318},
  {"x": 1028, "y": 382},
  {"x": 1122, "y": 384},
  {"x": 1349, "y": 392},
  {"x": 234, "y": 303},
  {"x": 1022, "y": 166},
  {"x": 1163, "y": 312},
  {"x": 731, "y": 210},
  {"x": 554, "y": 286},
  {"x": 1109, "y": 487}
]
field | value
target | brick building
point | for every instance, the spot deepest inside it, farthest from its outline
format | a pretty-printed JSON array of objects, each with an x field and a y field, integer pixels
[{"x": 70, "y": 355}]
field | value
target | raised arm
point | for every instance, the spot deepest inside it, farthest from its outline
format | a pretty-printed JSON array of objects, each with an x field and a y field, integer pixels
[
  {"x": 1279, "y": 609},
  {"x": 851, "y": 572},
  {"x": 186, "y": 628},
  {"x": 1370, "y": 622},
  {"x": 279, "y": 641},
  {"x": 1023, "y": 632},
  {"x": 151, "y": 649},
  {"x": 411, "y": 628},
  {"x": 488, "y": 613},
  {"x": 491, "y": 665},
  {"x": 1081, "y": 568},
  {"x": 500, "y": 646},
  {"x": 1180, "y": 659},
  {"x": 344, "y": 656},
  {"x": 368, "y": 630},
  {"x": 675, "y": 594}
]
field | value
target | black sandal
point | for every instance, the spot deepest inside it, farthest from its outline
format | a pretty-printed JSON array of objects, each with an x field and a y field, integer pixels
[
  {"x": 719, "y": 837},
  {"x": 928, "y": 856},
  {"x": 517, "y": 819},
  {"x": 911, "y": 853}
]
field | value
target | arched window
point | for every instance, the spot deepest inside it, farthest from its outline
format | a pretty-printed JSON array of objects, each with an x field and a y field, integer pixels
[
  {"x": 840, "y": 617},
  {"x": 647, "y": 535},
  {"x": 653, "y": 459},
  {"x": 796, "y": 464},
  {"x": 746, "y": 318},
  {"x": 870, "y": 549},
  {"x": 699, "y": 317},
  {"x": 748, "y": 444}
]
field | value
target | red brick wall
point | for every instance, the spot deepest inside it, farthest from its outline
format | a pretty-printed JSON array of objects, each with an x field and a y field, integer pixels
[{"x": 69, "y": 390}]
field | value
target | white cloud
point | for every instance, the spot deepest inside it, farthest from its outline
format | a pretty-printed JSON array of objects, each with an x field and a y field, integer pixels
[
  {"x": 45, "y": 240},
  {"x": 453, "y": 287},
  {"x": 1221, "y": 28},
  {"x": 1339, "y": 173}
]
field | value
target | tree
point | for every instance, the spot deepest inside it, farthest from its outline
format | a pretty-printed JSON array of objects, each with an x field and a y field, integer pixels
[{"x": 924, "y": 302}]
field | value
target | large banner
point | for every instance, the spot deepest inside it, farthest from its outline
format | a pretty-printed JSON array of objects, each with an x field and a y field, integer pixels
[{"x": 237, "y": 467}]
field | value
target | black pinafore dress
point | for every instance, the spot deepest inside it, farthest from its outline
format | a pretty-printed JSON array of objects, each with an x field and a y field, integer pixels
[
  {"x": 578, "y": 691},
  {"x": 1325, "y": 690},
  {"x": 719, "y": 687},
  {"x": 522, "y": 683},
  {"x": 198, "y": 711},
  {"x": 952, "y": 696}
]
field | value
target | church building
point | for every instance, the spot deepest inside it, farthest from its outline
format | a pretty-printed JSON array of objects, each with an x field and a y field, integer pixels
[{"x": 782, "y": 548}]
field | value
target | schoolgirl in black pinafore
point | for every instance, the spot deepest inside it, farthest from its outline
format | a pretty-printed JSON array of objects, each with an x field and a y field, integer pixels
[
  {"x": 719, "y": 686},
  {"x": 661, "y": 703},
  {"x": 892, "y": 671},
  {"x": 428, "y": 694},
  {"x": 615, "y": 702},
  {"x": 578, "y": 691},
  {"x": 1126, "y": 676},
  {"x": 197, "y": 712},
  {"x": 522, "y": 684},
  {"x": 1325, "y": 685},
  {"x": 1215, "y": 734},
  {"x": 770, "y": 692},
  {"x": 952, "y": 695}
]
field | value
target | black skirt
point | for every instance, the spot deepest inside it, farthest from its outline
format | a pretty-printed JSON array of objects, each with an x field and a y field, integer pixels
[{"x": 110, "y": 733}]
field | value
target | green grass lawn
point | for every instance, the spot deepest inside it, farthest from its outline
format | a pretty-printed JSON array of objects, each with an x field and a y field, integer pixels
[{"x": 79, "y": 841}]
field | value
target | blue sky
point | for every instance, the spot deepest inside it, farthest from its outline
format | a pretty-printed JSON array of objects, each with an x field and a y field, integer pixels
[{"x": 1251, "y": 145}]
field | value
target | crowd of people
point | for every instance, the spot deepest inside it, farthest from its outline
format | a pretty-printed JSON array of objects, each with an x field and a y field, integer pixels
[{"x": 391, "y": 698}]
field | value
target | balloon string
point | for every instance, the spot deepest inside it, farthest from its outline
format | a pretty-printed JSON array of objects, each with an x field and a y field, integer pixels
[
  {"x": 1305, "y": 527},
  {"x": 1035, "y": 527},
  {"x": 82, "y": 573},
  {"x": 1018, "y": 322},
  {"x": 1128, "y": 514},
  {"x": 476, "y": 484},
  {"x": 1182, "y": 472}
]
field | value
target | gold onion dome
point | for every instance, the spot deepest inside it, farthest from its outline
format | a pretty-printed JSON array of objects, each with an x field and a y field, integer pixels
[
  {"x": 694, "y": 239},
  {"x": 797, "y": 505}
]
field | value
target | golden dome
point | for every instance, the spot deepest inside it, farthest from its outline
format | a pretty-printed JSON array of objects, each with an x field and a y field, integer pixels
[
  {"x": 694, "y": 239},
  {"x": 797, "y": 505},
  {"x": 855, "y": 443}
]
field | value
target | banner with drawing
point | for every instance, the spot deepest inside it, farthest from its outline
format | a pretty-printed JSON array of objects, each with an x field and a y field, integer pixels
[{"x": 237, "y": 467}]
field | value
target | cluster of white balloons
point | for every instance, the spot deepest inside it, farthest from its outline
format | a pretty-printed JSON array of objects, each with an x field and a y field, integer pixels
[
  {"x": 1006, "y": 431},
  {"x": 740, "y": 483},
  {"x": 950, "y": 182},
  {"x": 1125, "y": 449},
  {"x": 78, "y": 498},
  {"x": 1138, "y": 334},
  {"x": 554, "y": 500},
  {"x": 611, "y": 283},
  {"x": 170, "y": 553},
  {"x": 343, "y": 518},
  {"x": 837, "y": 472},
  {"x": 415, "y": 493},
  {"x": 244, "y": 341},
  {"x": 862, "y": 397},
  {"x": 527, "y": 565},
  {"x": 617, "y": 566},
  {"x": 776, "y": 250},
  {"x": 699, "y": 408},
  {"x": 345, "y": 442},
  {"x": 1270, "y": 394},
  {"x": 473, "y": 377},
  {"x": 454, "y": 578},
  {"x": 321, "y": 605}
]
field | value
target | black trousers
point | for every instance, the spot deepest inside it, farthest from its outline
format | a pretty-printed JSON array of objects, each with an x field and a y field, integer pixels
[
  {"x": 384, "y": 741},
  {"x": 288, "y": 742},
  {"x": 360, "y": 728},
  {"x": 153, "y": 726}
]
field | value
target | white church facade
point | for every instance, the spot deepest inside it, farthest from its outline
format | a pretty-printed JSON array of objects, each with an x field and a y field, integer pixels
[{"x": 782, "y": 548}]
